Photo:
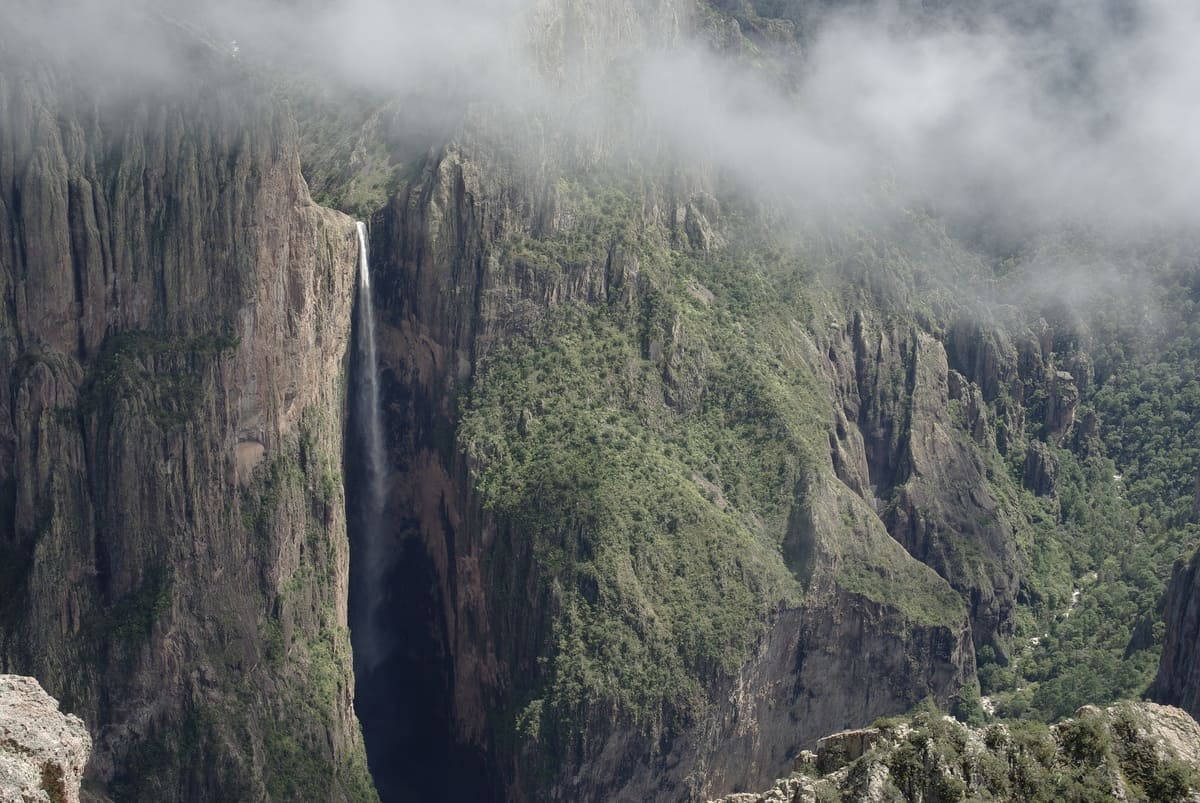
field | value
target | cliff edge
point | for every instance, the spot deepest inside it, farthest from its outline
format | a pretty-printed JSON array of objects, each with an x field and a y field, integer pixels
[{"x": 42, "y": 750}]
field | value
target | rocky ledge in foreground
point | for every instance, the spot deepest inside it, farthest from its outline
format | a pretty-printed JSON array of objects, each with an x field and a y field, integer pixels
[
  {"x": 42, "y": 750},
  {"x": 1133, "y": 751}
]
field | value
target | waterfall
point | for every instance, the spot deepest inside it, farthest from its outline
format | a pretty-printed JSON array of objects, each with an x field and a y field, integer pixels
[{"x": 369, "y": 645}]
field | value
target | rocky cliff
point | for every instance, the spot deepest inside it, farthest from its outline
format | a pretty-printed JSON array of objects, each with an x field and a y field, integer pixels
[
  {"x": 176, "y": 315},
  {"x": 670, "y": 490},
  {"x": 594, "y": 375},
  {"x": 42, "y": 751},
  {"x": 677, "y": 482},
  {"x": 1131, "y": 751},
  {"x": 1178, "y": 680},
  {"x": 502, "y": 299}
]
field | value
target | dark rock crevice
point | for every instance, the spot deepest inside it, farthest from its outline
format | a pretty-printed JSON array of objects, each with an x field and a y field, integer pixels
[
  {"x": 923, "y": 470},
  {"x": 1178, "y": 679},
  {"x": 405, "y": 703}
]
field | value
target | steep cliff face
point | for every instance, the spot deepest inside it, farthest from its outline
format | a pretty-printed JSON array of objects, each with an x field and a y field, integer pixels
[
  {"x": 918, "y": 442},
  {"x": 669, "y": 498},
  {"x": 1178, "y": 680},
  {"x": 595, "y": 376},
  {"x": 174, "y": 332}
]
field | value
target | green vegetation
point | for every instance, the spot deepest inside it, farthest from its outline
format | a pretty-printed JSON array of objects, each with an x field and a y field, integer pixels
[
  {"x": 873, "y": 565},
  {"x": 130, "y": 619},
  {"x": 306, "y": 650},
  {"x": 288, "y": 657},
  {"x": 660, "y": 585},
  {"x": 1084, "y": 759},
  {"x": 1148, "y": 402},
  {"x": 652, "y": 450},
  {"x": 151, "y": 771},
  {"x": 352, "y": 154},
  {"x": 1073, "y": 650},
  {"x": 649, "y": 452},
  {"x": 650, "y": 446},
  {"x": 162, "y": 372},
  {"x": 279, "y": 478},
  {"x": 1121, "y": 512}
]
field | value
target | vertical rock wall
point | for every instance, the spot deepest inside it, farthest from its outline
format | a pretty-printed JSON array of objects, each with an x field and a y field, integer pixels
[
  {"x": 174, "y": 321},
  {"x": 450, "y": 295},
  {"x": 1178, "y": 680}
]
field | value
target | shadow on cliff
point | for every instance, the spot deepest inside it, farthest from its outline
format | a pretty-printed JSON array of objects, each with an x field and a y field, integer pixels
[
  {"x": 403, "y": 697},
  {"x": 404, "y": 703}
]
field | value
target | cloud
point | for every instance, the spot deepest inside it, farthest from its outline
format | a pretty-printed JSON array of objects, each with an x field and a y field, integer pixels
[
  {"x": 1039, "y": 111},
  {"x": 1087, "y": 117}
]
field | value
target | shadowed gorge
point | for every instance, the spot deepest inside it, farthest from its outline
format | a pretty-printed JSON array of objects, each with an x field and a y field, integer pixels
[
  {"x": 403, "y": 701},
  {"x": 372, "y": 640},
  {"x": 403, "y": 669}
]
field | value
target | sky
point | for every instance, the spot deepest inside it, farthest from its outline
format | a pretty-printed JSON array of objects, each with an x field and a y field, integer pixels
[{"x": 1079, "y": 110}]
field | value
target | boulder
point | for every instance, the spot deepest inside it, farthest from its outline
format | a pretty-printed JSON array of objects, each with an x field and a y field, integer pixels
[{"x": 42, "y": 750}]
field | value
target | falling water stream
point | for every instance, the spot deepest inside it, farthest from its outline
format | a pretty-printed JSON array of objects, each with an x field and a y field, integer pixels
[
  {"x": 402, "y": 669},
  {"x": 370, "y": 646}
]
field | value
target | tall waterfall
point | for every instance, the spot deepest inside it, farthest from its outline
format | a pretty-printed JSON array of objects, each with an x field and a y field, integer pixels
[{"x": 369, "y": 645}]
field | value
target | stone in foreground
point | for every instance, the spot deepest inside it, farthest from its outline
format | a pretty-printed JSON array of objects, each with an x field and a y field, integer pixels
[
  {"x": 1133, "y": 751},
  {"x": 42, "y": 750}
]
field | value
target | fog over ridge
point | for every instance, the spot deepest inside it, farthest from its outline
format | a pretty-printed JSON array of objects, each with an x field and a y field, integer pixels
[{"x": 1069, "y": 110}]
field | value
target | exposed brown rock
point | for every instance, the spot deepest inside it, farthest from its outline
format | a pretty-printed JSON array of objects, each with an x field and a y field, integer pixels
[
  {"x": 839, "y": 749},
  {"x": 926, "y": 469},
  {"x": 452, "y": 299},
  {"x": 1060, "y": 407},
  {"x": 1041, "y": 469},
  {"x": 176, "y": 319},
  {"x": 1178, "y": 679}
]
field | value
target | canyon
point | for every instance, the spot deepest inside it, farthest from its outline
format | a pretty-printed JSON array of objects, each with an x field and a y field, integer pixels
[{"x": 501, "y": 465}]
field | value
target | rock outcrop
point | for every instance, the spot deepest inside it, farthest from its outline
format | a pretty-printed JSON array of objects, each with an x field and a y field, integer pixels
[
  {"x": 478, "y": 257},
  {"x": 1178, "y": 679},
  {"x": 917, "y": 440},
  {"x": 828, "y": 531},
  {"x": 42, "y": 750},
  {"x": 1130, "y": 752},
  {"x": 1041, "y": 469},
  {"x": 1060, "y": 407}
]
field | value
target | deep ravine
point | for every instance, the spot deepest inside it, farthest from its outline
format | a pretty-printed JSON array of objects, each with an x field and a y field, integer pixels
[
  {"x": 566, "y": 477},
  {"x": 403, "y": 696}
]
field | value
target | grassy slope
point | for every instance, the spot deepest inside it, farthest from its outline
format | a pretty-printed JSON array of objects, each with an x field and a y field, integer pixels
[{"x": 653, "y": 450}]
